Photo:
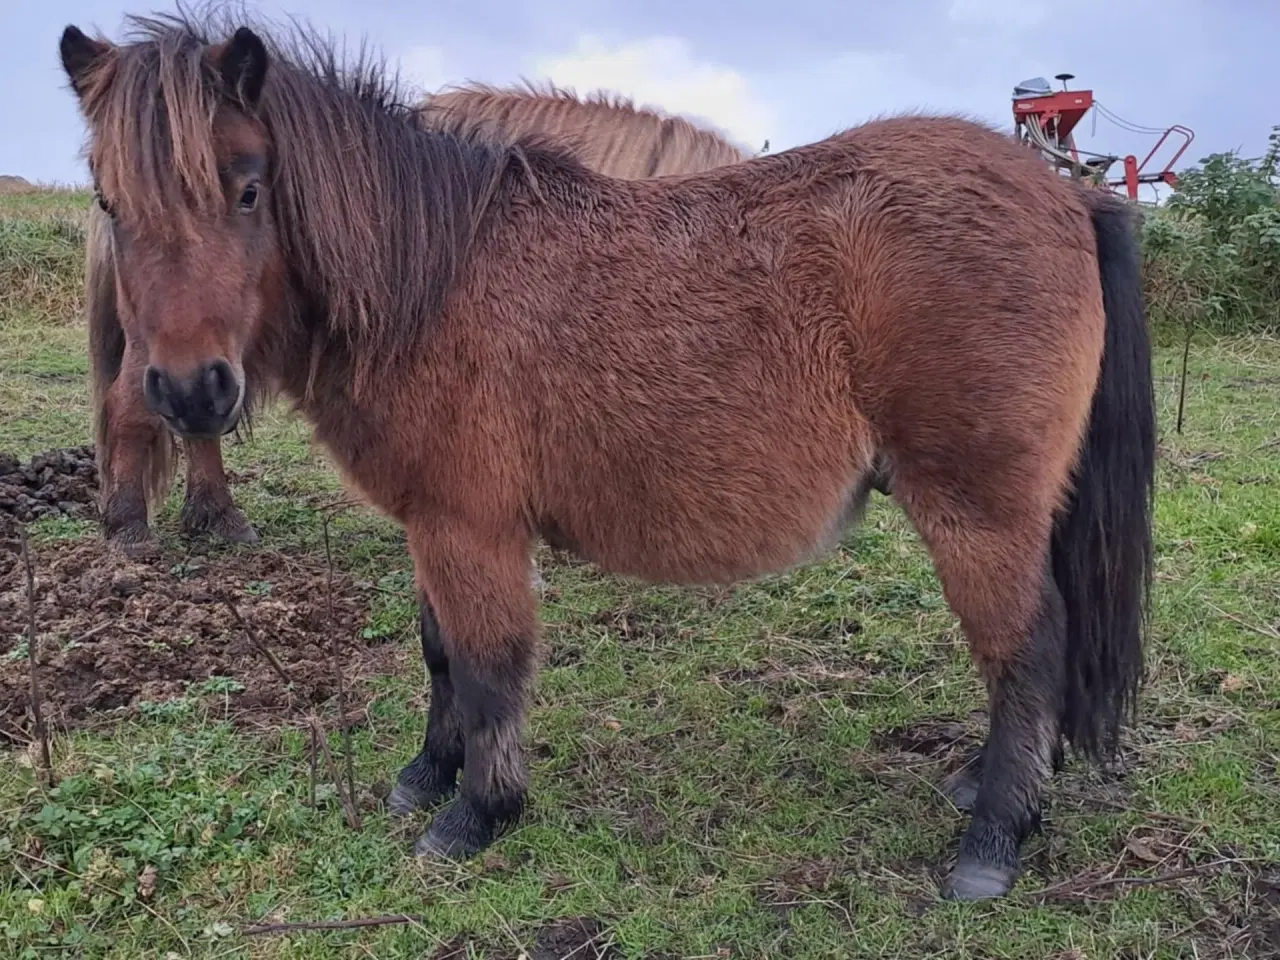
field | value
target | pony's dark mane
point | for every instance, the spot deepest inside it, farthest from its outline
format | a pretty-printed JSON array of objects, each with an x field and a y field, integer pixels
[{"x": 375, "y": 214}]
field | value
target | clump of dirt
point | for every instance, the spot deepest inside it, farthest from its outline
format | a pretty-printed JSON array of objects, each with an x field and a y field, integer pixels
[
  {"x": 818, "y": 880},
  {"x": 577, "y": 937},
  {"x": 62, "y": 481},
  {"x": 456, "y": 948},
  {"x": 570, "y": 938},
  {"x": 641, "y": 627},
  {"x": 935, "y": 748},
  {"x": 933, "y": 739},
  {"x": 118, "y": 636}
]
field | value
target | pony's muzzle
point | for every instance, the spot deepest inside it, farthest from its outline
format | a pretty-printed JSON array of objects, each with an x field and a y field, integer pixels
[{"x": 202, "y": 406}]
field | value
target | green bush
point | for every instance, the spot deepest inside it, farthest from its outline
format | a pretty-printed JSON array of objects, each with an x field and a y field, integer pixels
[{"x": 1212, "y": 252}]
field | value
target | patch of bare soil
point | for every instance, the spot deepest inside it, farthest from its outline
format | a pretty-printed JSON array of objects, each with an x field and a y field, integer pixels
[
  {"x": 1187, "y": 460},
  {"x": 814, "y": 881},
  {"x": 57, "y": 482},
  {"x": 941, "y": 745},
  {"x": 928, "y": 738},
  {"x": 455, "y": 949},
  {"x": 636, "y": 626},
  {"x": 582, "y": 938},
  {"x": 641, "y": 628},
  {"x": 116, "y": 634}
]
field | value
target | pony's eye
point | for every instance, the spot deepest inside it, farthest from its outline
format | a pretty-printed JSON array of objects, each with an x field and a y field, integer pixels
[
  {"x": 102, "y": 201},
  {"x": 249, "y": 199}
]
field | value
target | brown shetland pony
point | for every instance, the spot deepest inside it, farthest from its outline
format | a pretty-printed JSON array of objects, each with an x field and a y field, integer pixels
[
  {"x": 136, "y": 450},
  {"x": 687, "y": 379}
]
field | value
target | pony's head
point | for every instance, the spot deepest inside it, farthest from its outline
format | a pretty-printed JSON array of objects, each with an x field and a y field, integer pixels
[{"x": 182, "y": 163}]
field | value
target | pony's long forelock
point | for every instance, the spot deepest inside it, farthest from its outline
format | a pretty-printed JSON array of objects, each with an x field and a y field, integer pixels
[
  {"x": 373, "y": 213},
  {"x": 151, "y": 107}
]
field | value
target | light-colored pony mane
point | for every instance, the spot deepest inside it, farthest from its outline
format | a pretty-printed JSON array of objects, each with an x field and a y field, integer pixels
[{"x": 605, "y": 132}]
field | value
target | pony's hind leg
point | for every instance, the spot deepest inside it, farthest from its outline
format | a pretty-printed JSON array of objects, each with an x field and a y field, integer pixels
[
  {"x": 208, "y": 507},
  {"x": 477, "y": 588},
  {"x": 997, "y": 579},
  {"x": 1023, "y": 747},
  {"x": 432, "y": 774},
  {"x": 962, "y": 785}
]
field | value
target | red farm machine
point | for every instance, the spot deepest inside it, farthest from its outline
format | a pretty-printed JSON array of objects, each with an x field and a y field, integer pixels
[{"x": 1045, "y": 119}]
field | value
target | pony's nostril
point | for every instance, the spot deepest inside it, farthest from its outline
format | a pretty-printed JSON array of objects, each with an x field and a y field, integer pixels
[
  {"x": 201, "y": 403},
  {"x": 219, "y": 381},
  {"x": 157, "y": 388}
]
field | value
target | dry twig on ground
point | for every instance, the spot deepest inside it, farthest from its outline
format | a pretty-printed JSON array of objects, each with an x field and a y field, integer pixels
[{"x": 33, "y": 649}]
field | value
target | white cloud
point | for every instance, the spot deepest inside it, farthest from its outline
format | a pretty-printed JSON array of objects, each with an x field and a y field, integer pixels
[{"x": 662, "y": 72}]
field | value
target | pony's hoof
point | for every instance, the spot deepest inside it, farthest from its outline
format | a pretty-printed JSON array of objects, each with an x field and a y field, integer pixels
[
  {"x": 429, "y": 846},
  {"x": 973, "y": 880},
  {"x": 961, "y": 788},
  {"x": 458, "y": 832},
  {"x": 243, "y": 534},
  {"x": 961, "y": 785},
  {"x": 226, "y": 523},
  {"x": 134, "y": 543},
  {"x": 406, "y": 799}
]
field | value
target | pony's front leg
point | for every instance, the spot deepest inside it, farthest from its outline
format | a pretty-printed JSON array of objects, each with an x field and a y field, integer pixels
[
  {"x": 135, "y": 460},
  {"x": 1002, "y": 790},
  {"x": 479, "y": 633},
  {"x": 432, "y": 775},
  {"x": 208, "y": 506}
]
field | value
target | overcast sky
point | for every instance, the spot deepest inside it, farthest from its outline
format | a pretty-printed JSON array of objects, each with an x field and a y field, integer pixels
[{"x": 789, "y": 71}]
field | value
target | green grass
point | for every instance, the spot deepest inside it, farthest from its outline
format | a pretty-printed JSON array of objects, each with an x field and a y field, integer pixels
[
  {"x": 715, "y": 773},
  {"x": 41, "y": 252}
]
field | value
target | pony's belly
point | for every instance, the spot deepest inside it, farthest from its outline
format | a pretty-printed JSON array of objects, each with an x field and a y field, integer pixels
[
  {"x": 740, "y": 537},
  {"x": 749, "y": 477}
]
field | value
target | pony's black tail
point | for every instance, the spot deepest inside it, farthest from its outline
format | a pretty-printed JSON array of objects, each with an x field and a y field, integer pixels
[{"x": 1102, "y": 543}]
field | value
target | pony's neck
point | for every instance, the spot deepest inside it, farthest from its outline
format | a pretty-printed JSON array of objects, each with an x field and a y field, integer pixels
[{"x": 376, "y": 215}]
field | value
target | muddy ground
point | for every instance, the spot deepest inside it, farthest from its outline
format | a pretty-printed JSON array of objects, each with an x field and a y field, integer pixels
[
  {"x": 120, "y": 637},
  {"x": 60, "y": 482}
]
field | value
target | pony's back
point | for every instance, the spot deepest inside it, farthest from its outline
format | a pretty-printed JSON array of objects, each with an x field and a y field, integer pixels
[{"x": 607, "y": 134}]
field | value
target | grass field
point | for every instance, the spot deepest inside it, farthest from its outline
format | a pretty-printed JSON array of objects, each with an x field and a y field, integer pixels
[{"x": 738, "y": 773}]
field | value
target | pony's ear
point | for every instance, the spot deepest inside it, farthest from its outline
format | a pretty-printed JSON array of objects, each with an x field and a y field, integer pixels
[
  {"x": 243, "y": 63},
  {"x": 80, "y": 54}
]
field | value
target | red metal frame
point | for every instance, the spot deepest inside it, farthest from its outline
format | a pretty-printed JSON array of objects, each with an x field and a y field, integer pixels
[
  {"x": 1057, "y": 114},
  {"x": 1133, "y": 175}
]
